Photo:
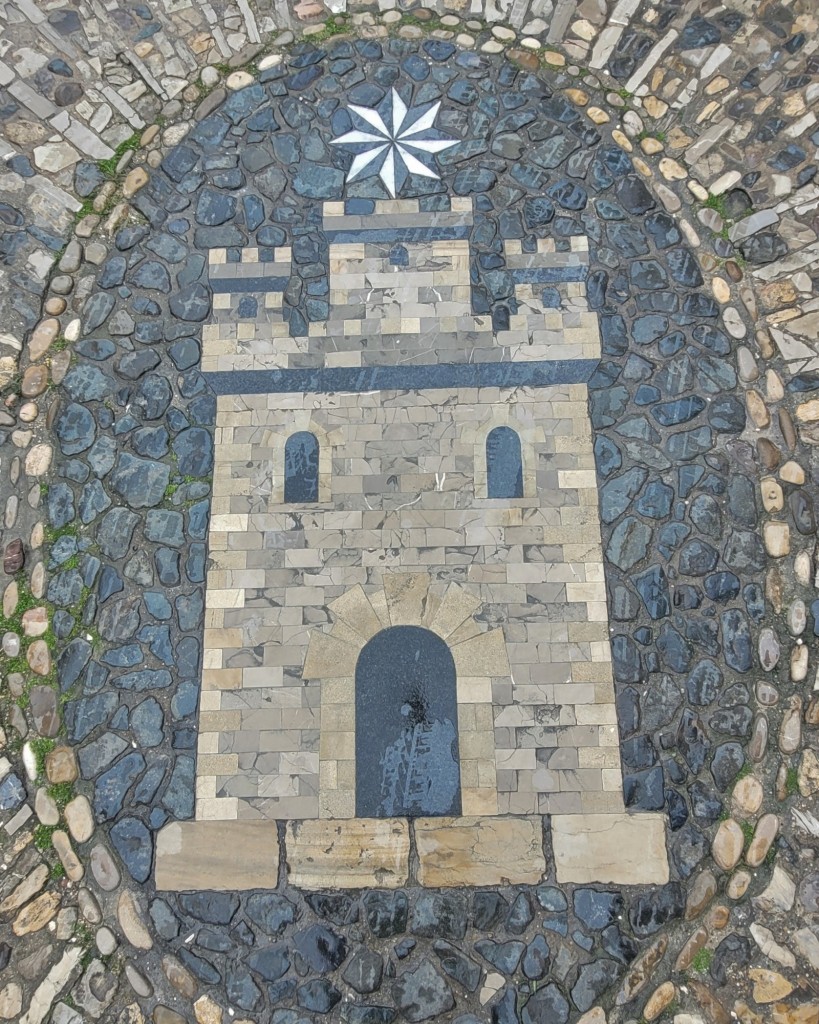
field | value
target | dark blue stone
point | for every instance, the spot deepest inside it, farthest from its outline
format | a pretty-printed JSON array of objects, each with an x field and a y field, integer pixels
[
  {"x": 704, "y": 684},
  {"x": 722, "y": 587},
  {"x": 184, "y": 701},
  {"x": 93, "y": 501},
  {"x": 84, "y": 715},
  {"x": 697, "y": 558},
  {"x": 75, "y": 429},
  {"x": 65, "y": 589},
  {"x": 12, "y": 793},
  {"x": 195, "y": 563},
  {"x": 134, "y": 365},
  {"x": 152, "y": 275},
  {"x": 407, "y": 717},
  {"x": 617, "y": 494},
  {"x": 647, "y": 275},
  {"x": 644, "y": 790},
  {"x": 684, "y": 268},
  {"x": 158, "y": 639},
  {"x": 191, "y": 303},
  {"x": 652, "y": 587},
  {"x": 95, "y": 348},
  {"x": 675, "y": 652},
  {"x": 165, "y": 527},
  {"x": 547, "y": 1004},
  {"x": 597, "y": 909},
  {"x": 754, "y": 598},
  {"x": 102, "y": 456},
  {"x": 151, "y": 442},
  {"x": 688, "y": 444},
  {"x": 625, "y": 659},
  {"x": 189, "y": 611},
  {"x": 115, "y": 531},
  {"x": 96, "y": 311},
  {"x": 693, "y": 741},
  {"x": 111, "y": 786},
  {"x": 146, "y": 722},
  {"x": 167, "y": 566},
  {"x": 504, "y": 468},
  {"x": 179, "y": 795},
  {"x": 144, "y": 679},
  {"x": 504, "y": 956},
  {"x": 147, "y": 787},
  {"x": 112, "y": 272},
  {"x": 737, "y": 644},
  {"x": 655, "y": 501},
  {"x": 607, "y": 456},
  {"x": 198, "y": 519},
  {"x": 201, "y": 968},
  {"x": 122, "y": 657},
  {"x": 60, "y": 505},
  {"x": 132, "y": 841},
  {"x": 140, "y": 482}
]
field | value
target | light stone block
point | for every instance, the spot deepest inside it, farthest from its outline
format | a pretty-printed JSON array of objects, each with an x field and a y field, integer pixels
[
  {"x": 483, "y": 655},
  {"x": 358, "y": 853},
  {"x": 619, "y": 849},
  {"x": 479, "y": 851},
  {"x": 217, "y": 855}
]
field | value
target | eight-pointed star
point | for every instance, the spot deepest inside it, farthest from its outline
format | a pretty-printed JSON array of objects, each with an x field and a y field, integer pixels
[{"x": 394, "y": 140}]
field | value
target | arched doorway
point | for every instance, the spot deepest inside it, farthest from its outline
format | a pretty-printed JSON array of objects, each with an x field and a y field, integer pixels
[{"x": 406, "y": 730}]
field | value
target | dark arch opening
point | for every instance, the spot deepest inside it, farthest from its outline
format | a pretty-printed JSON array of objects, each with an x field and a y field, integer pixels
[
  {"x": 301, "y": 468},
  {"x": 504, "y": 466},
  {"x": 406, "y": 726}
]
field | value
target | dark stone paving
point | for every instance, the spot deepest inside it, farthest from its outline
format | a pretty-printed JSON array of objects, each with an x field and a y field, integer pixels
[{"x": 678, "y": 507}]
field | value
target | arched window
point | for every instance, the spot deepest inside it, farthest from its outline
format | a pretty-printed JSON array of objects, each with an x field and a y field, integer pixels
[
  {"x": 301, "y": 468},
  {"x": 504, "y": 469}
]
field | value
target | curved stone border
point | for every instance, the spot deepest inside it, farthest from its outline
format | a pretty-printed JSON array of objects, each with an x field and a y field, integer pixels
[{"x": 788, "y": 724}]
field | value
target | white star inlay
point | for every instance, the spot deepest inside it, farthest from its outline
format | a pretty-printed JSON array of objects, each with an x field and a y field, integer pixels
[{"x": 394, "y": 140}]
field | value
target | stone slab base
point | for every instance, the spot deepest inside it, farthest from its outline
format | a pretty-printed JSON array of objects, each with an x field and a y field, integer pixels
[
  {"x": 362, "y": 853},
  {"x": 356, "y": 853},
  {"x": 625, "y": 849},
  {"x": 222, "y": 855},
  {"x": 479, "y": 851}
]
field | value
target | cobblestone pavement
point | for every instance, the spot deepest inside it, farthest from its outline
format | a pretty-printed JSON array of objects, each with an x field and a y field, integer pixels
[{"x": 617, "y": 260}]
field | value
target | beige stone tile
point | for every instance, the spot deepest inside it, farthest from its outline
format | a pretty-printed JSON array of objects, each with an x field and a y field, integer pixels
[
  {"x": 329, "y": 658},
  {"x": 406, "y": 594},
  {"x": 483, "y": 655},
  {"x": 202, "y": 855},
  {"x": 337, "y": 746},
  {"x": 477, "y": 801},
  {"x": 457, "y": 606},
  {"x": 337, "y": 691},
  {"x": 618, "y": 849},
  {"x": 479, "y": 851},
  {"x": 354, "y": 608},
  {"x": 219, "y": 809},
  {"x": 357, "y": 853},
  {"x": 338, "y": 803},
  {"x": 473, "y": 690},
  {"x": 217, "y": 764},
  {"x": 476, "y": 745}
]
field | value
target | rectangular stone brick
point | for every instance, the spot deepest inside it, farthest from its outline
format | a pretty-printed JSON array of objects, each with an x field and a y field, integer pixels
[
  {"x": 202, "y": 855},
  {"x": 479, "y": 851},
  {"x": 360, "y": 853}
]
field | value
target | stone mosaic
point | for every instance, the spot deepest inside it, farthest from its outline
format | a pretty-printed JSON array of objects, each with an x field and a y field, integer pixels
[
  {"x": 280, "y": 718},
  {"x": 679, "y": 143}
]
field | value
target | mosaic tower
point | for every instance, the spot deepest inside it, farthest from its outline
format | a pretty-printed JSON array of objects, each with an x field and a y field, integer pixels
[{"x": 406, "y": 621}]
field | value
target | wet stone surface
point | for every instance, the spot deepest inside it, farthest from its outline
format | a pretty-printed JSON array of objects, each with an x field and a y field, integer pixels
[
  {"x": 685, "y": 538},
  {"x": 664, "y": 465}
]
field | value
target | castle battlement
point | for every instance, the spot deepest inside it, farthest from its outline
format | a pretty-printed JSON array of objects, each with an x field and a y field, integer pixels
[{"x": 400, "y": 293}]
